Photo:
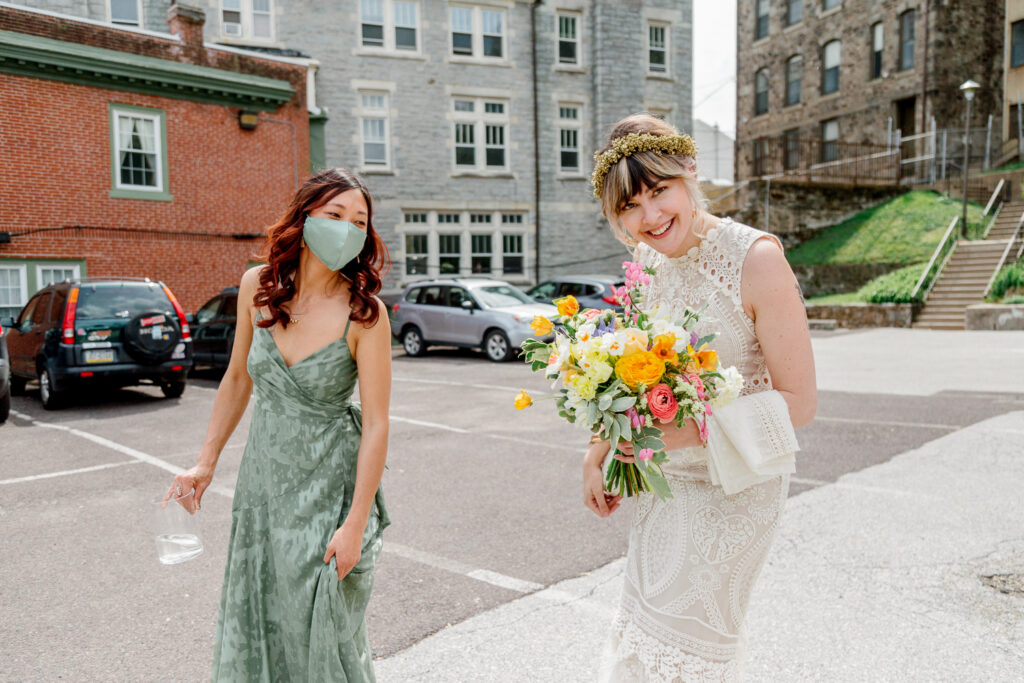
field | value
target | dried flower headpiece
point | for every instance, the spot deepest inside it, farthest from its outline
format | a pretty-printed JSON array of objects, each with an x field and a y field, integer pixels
[{"x": 629, "y": 145}]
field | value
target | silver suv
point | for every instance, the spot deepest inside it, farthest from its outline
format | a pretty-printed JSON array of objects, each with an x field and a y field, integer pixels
[{"x": 469, "y": 312}]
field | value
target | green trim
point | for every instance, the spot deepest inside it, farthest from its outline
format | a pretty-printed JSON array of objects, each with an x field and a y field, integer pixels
[
  {"x": 31, "y": 281},
  {"x": 161, "y": 195},
  {"x": 318, "y": 141},
  {"x": 59, "y": 60}
]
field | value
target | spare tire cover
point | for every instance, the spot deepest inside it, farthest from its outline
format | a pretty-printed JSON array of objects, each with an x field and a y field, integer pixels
[{"x": 150, "y": 337}]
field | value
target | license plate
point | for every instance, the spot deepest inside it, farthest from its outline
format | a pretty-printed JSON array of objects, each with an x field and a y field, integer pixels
[{"x": 99, "y": 356}]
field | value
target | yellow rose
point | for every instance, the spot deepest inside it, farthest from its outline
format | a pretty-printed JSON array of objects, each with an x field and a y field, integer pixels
[
  {"x": 640, "y": 367},
  {"x": 541, "y": 326},
  {"x": 523, "y": 400},
  {"x": 568, "y": 306},
  {"x": 636, "y": 340}
]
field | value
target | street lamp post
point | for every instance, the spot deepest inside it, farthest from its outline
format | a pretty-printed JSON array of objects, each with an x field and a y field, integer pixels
[{"x": 968, "y": 89}]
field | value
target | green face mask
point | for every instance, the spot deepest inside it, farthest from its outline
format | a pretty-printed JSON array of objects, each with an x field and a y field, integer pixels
[{"x": 335, "y": 243}]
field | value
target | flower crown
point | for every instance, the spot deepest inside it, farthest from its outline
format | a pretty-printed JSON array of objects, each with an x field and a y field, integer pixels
[{"x": 628, "y": 145}]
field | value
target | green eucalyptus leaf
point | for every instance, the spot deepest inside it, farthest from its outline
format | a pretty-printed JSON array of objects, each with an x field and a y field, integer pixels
[{"x": 623, "y": 402}]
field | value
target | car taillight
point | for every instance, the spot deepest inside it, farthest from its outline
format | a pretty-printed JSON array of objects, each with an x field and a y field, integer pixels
[
  {"x": 186, "y": 331},
  {"x": 395, "y": 308},
  {"x": 68, "y": 326}
]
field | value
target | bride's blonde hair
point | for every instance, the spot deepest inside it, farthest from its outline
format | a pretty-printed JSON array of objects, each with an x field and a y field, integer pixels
[{"x": 632, "y": 173}]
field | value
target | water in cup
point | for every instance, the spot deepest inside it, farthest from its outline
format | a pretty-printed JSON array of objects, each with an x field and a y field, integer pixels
[{"x": 176, "y": 530}]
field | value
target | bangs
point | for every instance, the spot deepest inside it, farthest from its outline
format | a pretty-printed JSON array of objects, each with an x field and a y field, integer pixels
[{"x": 635, "y": 173}]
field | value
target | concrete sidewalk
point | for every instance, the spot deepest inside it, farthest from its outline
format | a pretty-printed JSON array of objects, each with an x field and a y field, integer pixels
[{"x": 880, "y": 576}]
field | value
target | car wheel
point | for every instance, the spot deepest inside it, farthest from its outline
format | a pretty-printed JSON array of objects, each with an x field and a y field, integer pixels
[
  {"x": 5, "y": 405},
  {"x": 497, "y": 346},
  {"x": 412, "y": 342},
  {"x": 173, "y": 389},
  {"x": 18, "y": 385},
  {"x": 50, "y": 397}
]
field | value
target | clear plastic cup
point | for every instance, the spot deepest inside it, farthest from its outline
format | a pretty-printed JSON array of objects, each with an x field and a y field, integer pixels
[{"x": 177, "y": 531}]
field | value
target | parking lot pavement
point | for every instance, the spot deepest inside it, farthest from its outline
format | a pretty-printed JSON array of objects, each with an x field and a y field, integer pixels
[{"x": 485, "y": 503}]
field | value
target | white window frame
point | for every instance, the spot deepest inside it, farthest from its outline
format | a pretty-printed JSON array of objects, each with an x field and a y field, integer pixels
[
  {"x": 406, "y": 254},
  {"x": 22, "y": 271},
  {"x": 877, "y": 47},
  {"x": 462, "y": 231},
  {"x": 138, "y": 9},
  {"x": 667, "y": 48},
  {"x": 76, "y": 272},
  {"x": 480, "y": 120},
  {"x": 159, "y": 135},
  {"x": 474, "y": 254},
  {"x": 825, "y": 68},
  {"x": 390, "y": 26},
  {"x": 575, "y": 125},
  {"x": 367, "y": 113},
  {"x": 827, "y": 140},
  {"x": 577, "y": 23},
  {"x": 477, "y": 40},
  {"x": 247, "y": 12}
]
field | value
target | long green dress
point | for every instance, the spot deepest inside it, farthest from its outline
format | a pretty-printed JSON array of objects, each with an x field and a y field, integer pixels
[{"x": 284, "y": 616}]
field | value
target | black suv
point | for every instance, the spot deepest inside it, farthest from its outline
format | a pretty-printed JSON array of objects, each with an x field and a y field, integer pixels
[
  {"x": 109, "y": 332},
  {"x": 213, "y": 329}
]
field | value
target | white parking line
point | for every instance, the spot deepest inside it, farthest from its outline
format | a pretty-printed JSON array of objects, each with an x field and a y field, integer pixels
[
  {"x": 449, "y": 383},
  {"x": 120, "y": 448},
  {"x": 889, "y": 423},
  {"x": 433, "y": 425},
  {"x": 456, "y": 567},
  {"x": 64, "y": 473}
]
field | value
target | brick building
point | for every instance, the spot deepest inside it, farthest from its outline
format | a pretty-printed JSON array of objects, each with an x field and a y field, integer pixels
[
  {"x": 472, "y": 121},
  {"x": 817, "y": 75},
  {"x": 133, "y": 152}
]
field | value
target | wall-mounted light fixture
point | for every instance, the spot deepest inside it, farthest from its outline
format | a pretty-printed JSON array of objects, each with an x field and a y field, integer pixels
[{"x": 247, "y": 119}]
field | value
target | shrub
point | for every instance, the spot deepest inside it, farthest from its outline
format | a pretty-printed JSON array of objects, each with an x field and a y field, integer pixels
[
  {"x": 1010, "y": 280},
  {"x": 894, "y": 287}
]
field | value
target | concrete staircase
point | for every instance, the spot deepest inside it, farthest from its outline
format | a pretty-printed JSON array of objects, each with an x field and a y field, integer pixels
[{"x": 963, "y": 280}]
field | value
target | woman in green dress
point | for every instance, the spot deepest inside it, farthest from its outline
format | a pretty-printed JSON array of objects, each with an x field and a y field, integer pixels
[{"x": 307, "y": 513}]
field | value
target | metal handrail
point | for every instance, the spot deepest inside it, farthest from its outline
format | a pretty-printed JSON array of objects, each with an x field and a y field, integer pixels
[
  {"x": 935, "y": 256},
  {"x": 995, "y": 194},
  {"x": 1002, "y": 259},
  {"x": 992, "y": 222}
]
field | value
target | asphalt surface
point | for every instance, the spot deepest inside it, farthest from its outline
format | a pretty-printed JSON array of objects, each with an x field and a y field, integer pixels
[{"x": 485, "y": 501}]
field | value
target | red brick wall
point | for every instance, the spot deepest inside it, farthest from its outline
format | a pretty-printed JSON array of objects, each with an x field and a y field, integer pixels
[{"x": 55, "y": 172}]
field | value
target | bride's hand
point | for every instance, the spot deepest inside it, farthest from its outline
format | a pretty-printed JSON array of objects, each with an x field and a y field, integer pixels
[
  {"x": 686, "y": 436},
  {"x": 625, "y": 452},
  {"x": 601, "y": 502}
]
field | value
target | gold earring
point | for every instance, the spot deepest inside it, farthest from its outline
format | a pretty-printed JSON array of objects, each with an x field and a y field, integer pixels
[{"x": 303, "y": 242}]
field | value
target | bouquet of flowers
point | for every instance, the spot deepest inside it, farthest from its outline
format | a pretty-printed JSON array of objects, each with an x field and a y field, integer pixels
[{"x": 620, "y": 375}]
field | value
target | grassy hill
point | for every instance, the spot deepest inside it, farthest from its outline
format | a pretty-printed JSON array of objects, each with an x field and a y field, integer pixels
[{"x": 903, "y": 230}]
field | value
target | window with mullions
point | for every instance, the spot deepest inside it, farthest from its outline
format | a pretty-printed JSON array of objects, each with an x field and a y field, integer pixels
[
  {"x": 124, "y": 12},
  {"x": 480, "y": 133},
  {"x": 480, "y": 218},
  {"x": 416, "y": 254},
  {"x": 568, "y": 40},
  {"x": 449, "y": 253},
  {"x": 389, "y": 24},
  {"x": 794, "y": 79},
  {"x": 48, "y": 275},
  {"x": 246, "y": 19},
  {"x": 877, "y": 45},
  {"x": 763, "y": 19},
  {"x": 657, "y": 48},
  {"x": 512, "y": 254},
  {"x": 794, "y": 12},
  {"x": 415, "y": 217},
  {"x": 480, "y": 257},
  {"x": 569, "y": 138},
  {"x": 907, "y": 20},
  {"x": 13, "y": 290},
  {"x": 478, "y": 32},
  {"x": 139, "y": 158},
  {"x": 373, "y": 22},
  {"x": 830, "y": 75},
  {"x": 511, "y": 219},
  {"x": 374, "y": 117},
  {"x": 761, "y": 92}
]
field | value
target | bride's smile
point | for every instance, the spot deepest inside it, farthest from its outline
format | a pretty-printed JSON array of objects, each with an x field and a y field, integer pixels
[{"x": 662, "y": 216}]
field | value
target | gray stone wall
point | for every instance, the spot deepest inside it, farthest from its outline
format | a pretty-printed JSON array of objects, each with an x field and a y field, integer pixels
[
  {"x": 964, "y": 40},
  {"x": 865, "y": 315}
]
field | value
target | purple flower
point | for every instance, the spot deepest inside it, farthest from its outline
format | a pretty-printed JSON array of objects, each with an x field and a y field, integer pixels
[{"x": 694, "y": 339}]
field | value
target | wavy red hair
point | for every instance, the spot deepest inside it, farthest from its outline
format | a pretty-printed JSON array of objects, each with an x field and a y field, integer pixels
[{"x": 284, "y": 243}]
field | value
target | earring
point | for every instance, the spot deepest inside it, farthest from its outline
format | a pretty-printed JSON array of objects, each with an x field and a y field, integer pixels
[{"x": 302, "y": 244}]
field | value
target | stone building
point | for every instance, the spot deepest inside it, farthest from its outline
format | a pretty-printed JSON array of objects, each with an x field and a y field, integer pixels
[
  {"x": 472, "y": 121},
  {"x": 139, "y": 153},
  {"x": 818, "y": 77},
  {"x": 1013, "y": 69}
]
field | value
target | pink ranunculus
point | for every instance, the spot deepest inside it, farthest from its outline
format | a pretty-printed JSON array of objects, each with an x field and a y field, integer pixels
[
  {"x": 591, "y": 313},
  {"x": 698, "y": 384},
  {"x": 645, "y": 454},
  {"x": 635, "y": 420},
  {"x": 662, "y": 403}
]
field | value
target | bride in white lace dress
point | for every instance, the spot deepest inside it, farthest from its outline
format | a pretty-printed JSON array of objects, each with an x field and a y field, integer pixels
[{"x": 693, "y": 559}]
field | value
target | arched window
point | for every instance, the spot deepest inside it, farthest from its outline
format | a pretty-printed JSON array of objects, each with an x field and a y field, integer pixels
[
  {"x": 794, "y": 79},
  {"x": 830, "y": 72},
  {"x": 761, "y": 92}
]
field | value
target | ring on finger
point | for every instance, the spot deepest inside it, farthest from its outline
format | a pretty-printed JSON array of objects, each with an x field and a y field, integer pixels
[{"x": 177, "y": 490}]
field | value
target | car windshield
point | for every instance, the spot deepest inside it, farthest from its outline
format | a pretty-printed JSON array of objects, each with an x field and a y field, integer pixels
[
  {"x": 120, "y": 301},
  {"x": 501, "y": 296}
]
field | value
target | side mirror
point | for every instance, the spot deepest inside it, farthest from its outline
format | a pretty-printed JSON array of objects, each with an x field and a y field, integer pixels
[
  {"x": 6, "y": 323},
  {"x": 468, "y": 305}
]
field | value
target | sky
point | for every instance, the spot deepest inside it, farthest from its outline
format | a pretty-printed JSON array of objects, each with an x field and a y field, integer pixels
[{"x": 714, "y": 63}]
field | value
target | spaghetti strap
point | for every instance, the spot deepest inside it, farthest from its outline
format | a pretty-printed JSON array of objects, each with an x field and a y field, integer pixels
[{"x": 347, "y": 323}]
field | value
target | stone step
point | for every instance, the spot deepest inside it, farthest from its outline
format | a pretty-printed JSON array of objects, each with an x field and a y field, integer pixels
[
  {"x": 956, "y": 297},
  {"x": 938, "y": 326},
  {"x": 823, "y": 324}
]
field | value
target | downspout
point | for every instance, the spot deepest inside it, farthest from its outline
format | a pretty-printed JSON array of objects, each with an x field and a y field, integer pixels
[
  {"x": 924, "y": 77},
  {"x": 536, "y": 142}
]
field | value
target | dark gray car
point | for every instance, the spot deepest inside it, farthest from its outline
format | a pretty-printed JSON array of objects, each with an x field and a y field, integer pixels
[
  {"x": 470, "y": 312},
  {"x": 592, "y": 291}
]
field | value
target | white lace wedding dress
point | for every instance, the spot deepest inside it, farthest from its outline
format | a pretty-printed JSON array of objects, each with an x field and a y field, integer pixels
[{"x": 693, "y": 560}]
